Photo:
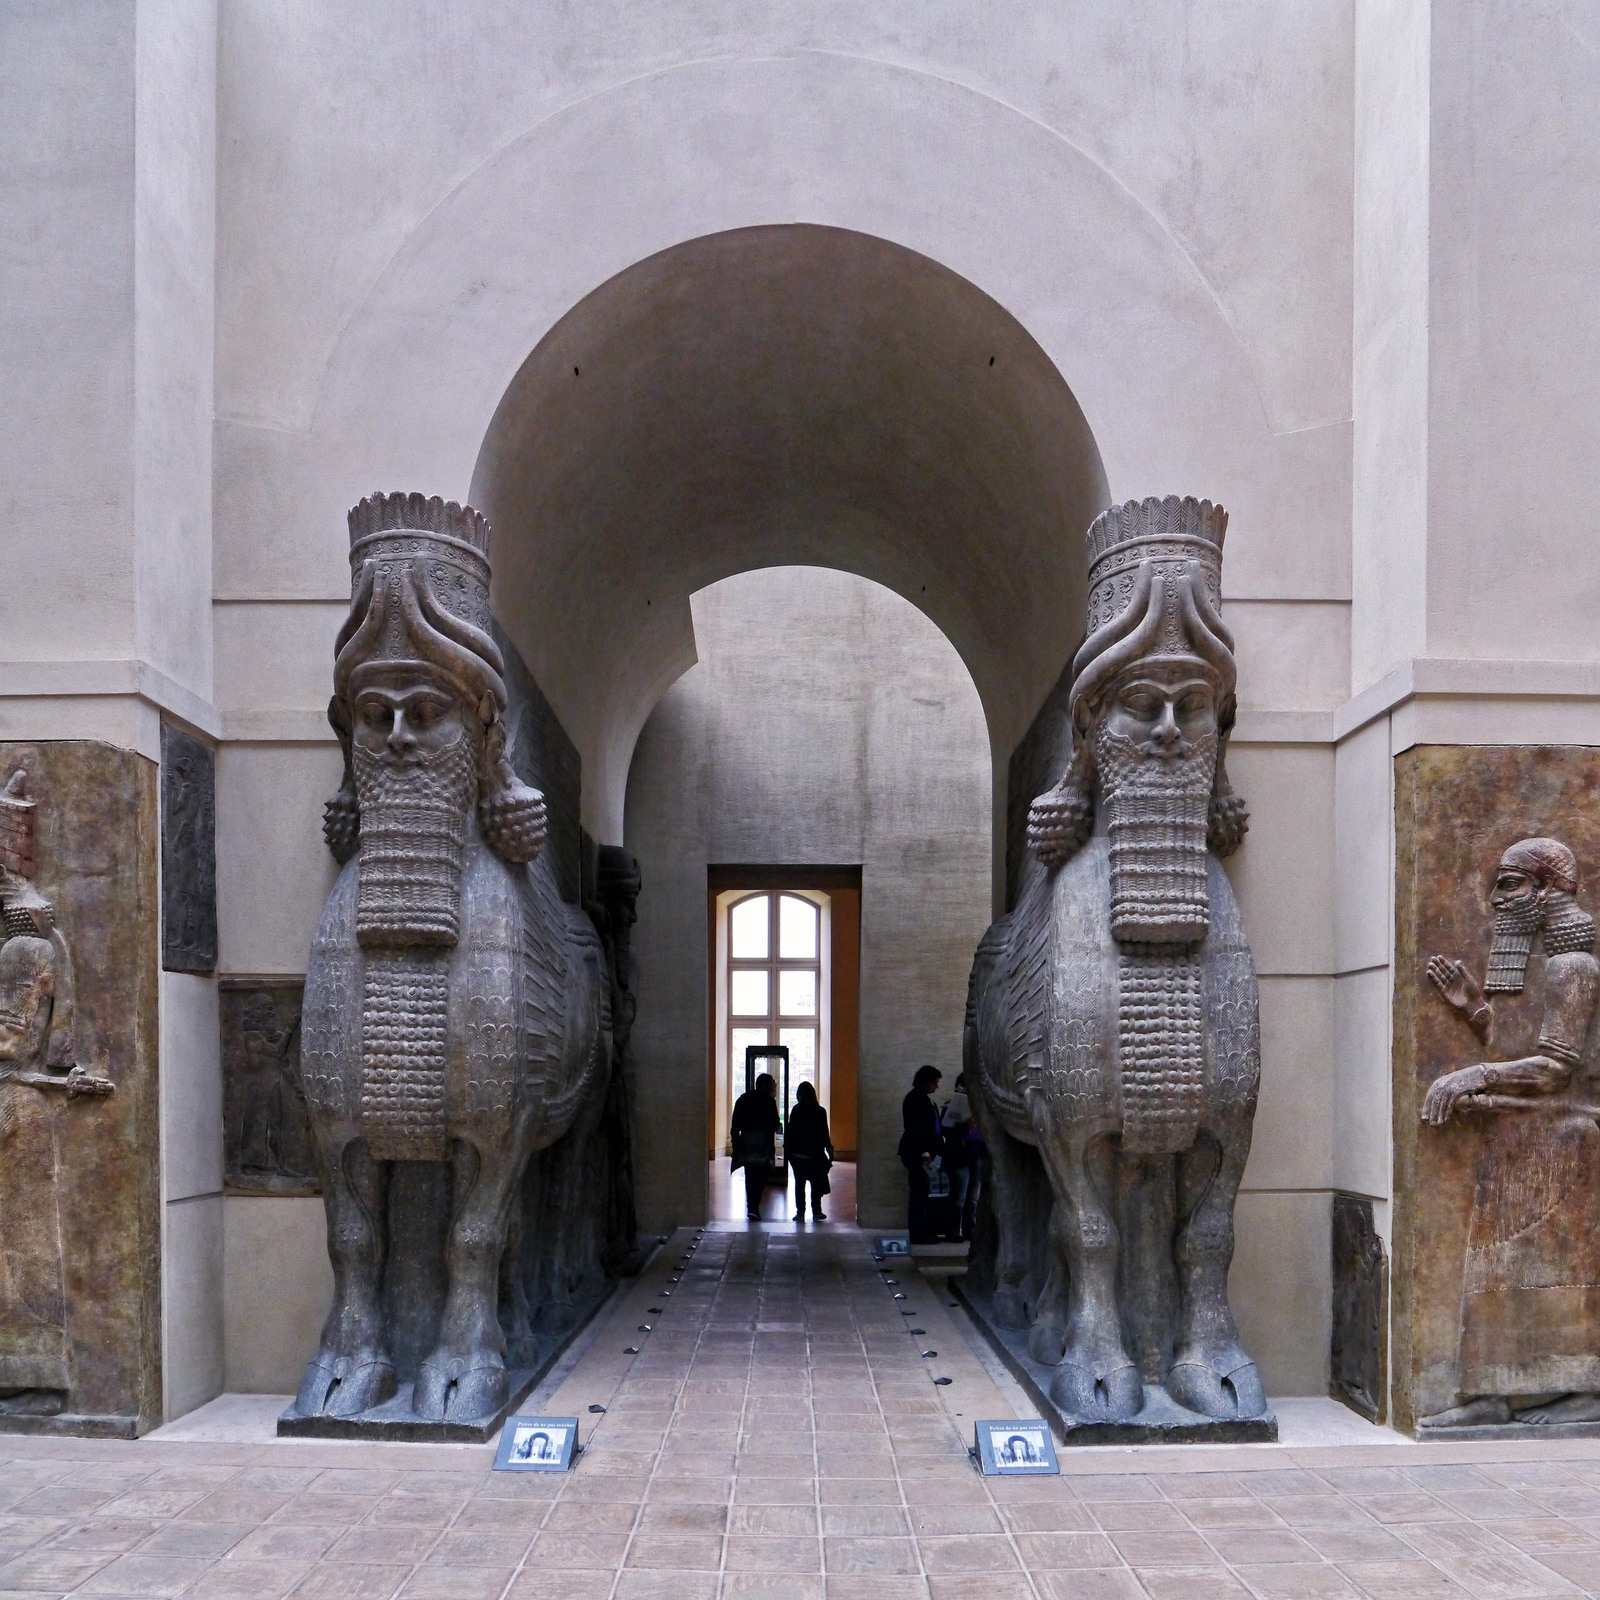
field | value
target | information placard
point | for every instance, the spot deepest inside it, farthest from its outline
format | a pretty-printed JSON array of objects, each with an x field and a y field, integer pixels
[
  {"x": 1019, "y": 1448},
  {"x": 537, "y": 1444}
]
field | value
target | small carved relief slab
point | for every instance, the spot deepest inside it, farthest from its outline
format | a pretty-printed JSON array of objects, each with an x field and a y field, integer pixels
[
  {"x": 188, "y": 853},
  {"x": 267, "y": 1146},
  {"x": 1496, "y": 1277},
  {"x": 1359, "y": 1355}
]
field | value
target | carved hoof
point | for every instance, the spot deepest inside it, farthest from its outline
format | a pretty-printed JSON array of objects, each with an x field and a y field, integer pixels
[
  {"x": 1224, "y": 1395},
  {"x": 1047, "y": 1343},
  {"x": 1010, "y": 1309},
  {"x": 345, "y": 1386},
  {"x": 1115, "y": 1397},
  {"x": 451, "y": 1391}
]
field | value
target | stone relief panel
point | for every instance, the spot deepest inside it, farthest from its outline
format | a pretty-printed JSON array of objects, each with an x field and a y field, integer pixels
[
  {"x": 267, "y": 1147},
  {"x": 1358, "y": 1365},
  {"x": 188, "y": 853},
  {"x": 79, "y": 1142},
  {"x": 1497, "y": 1148}
]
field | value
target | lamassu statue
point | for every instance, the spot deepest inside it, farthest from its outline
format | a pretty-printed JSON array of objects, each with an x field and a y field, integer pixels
[
  {"x": 457, "y": 1011},
  {"x": 1112, "y": 1016}
]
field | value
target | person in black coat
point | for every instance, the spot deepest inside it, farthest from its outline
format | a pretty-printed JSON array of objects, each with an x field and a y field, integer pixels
[
  {"x": 919, "y": 1144},
  {"x": 755, "y": 1125},
  {"x": 809, "y": 1147}
]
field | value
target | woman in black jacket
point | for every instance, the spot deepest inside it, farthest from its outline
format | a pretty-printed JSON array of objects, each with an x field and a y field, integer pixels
[
  {"x": 919, "y": 1144},
  {"x": 809, "y": 1147},
  {"x": 755, "y": 1125}
]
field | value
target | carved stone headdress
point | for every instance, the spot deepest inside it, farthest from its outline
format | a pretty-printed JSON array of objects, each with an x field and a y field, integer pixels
[
  {"x": 419, "y": 580},
  {"x": 1155, "y": 588}
]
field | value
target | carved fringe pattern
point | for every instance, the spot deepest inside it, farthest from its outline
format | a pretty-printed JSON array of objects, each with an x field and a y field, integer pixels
[
  {"x": 1157, "y": 812},
  {"x": 413, "y": 827},
  {"x": 1514, "y": 932},
  {"x": 1160, "y": 1049},
  {"x": 404, "y": 1015},
  {"x": 1568, "y": 930}
]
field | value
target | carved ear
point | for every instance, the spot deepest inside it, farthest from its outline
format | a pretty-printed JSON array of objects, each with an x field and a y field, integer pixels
[
  {"x": 341, "y": 816},
  {"x": 1228, "y": 819},
  {"x": 1061, "y": 820}
]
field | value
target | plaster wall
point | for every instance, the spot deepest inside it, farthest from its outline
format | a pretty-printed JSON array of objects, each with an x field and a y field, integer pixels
[
  {"x": 1514, "y": 210},
  {"x": 66, "y": 328},
  {"x": 1389, "y": 380}
]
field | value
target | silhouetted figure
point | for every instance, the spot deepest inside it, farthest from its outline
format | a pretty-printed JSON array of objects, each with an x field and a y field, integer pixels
[
  {"x": 809, "y": 1148},
  {"x": 755, "y": 1126},
  {"x": 920, "y": 1144}
]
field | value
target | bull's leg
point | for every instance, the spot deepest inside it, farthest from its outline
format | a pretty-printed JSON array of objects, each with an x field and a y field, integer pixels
[
  {"x": 1008, "y": 1195},
  {"x": 1210, "y": 1372},
  {"x": 1096, "y": 1379},
  {"x": 352, "y": 1371},
  {"x": 464, "y": 1376}
]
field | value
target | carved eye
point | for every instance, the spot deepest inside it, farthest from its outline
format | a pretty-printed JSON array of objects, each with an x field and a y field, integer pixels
[
  {"x": 1146, "y": 707},
  {"x": 374, "y": 713}
]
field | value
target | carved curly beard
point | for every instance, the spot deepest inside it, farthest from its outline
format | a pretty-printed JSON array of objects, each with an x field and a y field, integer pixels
[
  {"x": 1157, "y": 812},
  {"x": 413, "y": 826},
  {"x": 1515, "y": 929}
]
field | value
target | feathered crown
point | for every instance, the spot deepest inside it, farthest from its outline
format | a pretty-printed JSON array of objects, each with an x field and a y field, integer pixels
[
  {"x": 1173, "y": 531},
  {"x": 419, "y": 514}
]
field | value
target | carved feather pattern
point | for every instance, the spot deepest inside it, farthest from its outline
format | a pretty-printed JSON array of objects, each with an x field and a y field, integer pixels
[
  {"x": 1080, "y": 1077},
  {"x": 1233, "y": 1020},
  {"x": 329, "y": 1043}
]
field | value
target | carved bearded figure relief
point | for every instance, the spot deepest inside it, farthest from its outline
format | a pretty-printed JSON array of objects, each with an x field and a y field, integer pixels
[
  {"x": 1529, "y": 1345},
  {"x": 37, "y": 1073},
  {"x": 1112, "y": 1017},
  {"x": 457, "y": 1011}
]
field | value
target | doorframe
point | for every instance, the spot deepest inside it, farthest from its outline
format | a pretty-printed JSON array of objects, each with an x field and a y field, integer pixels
[{"x": 843, "y": 885}]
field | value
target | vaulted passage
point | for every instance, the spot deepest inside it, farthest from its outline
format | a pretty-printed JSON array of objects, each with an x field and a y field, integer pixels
[
  {"x": 788, "y": 527},
  {"x": 782, "y": 396}
]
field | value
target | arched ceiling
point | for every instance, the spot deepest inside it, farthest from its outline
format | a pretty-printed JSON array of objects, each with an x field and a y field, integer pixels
[{"x": 788, "y": 395}]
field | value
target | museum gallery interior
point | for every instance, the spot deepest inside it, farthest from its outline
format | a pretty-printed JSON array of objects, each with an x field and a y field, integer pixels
[{"x": 559, "y": 559}]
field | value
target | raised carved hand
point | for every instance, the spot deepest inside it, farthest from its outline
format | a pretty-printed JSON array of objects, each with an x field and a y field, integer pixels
[
  {"x": 1460, "y": 990},
  {"x": 1447, "y": 1092}
]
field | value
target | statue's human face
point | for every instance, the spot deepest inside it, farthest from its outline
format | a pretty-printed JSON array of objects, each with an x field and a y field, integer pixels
[
  {"x": 406, "y": 721},
  {"x": 1513, "y": 890},
  {"x": 1163, "y": 707}
]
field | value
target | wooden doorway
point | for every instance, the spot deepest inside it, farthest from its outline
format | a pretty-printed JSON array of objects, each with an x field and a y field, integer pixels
[{"x": 791, "y": 989}]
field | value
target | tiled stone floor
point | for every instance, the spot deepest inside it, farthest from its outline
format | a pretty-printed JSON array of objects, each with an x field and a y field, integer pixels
[{"x": 779, "y": 1435}]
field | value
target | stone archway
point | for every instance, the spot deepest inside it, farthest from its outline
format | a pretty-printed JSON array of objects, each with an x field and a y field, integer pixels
[
  {"x": 792, "y": 394},
  {"x": 797, "y": 396}
]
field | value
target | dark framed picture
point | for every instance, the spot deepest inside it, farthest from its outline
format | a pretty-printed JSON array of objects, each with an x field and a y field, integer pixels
[
  {"x": 537, "y": 1444},
  {"x": 1016, "y": 1449}
]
